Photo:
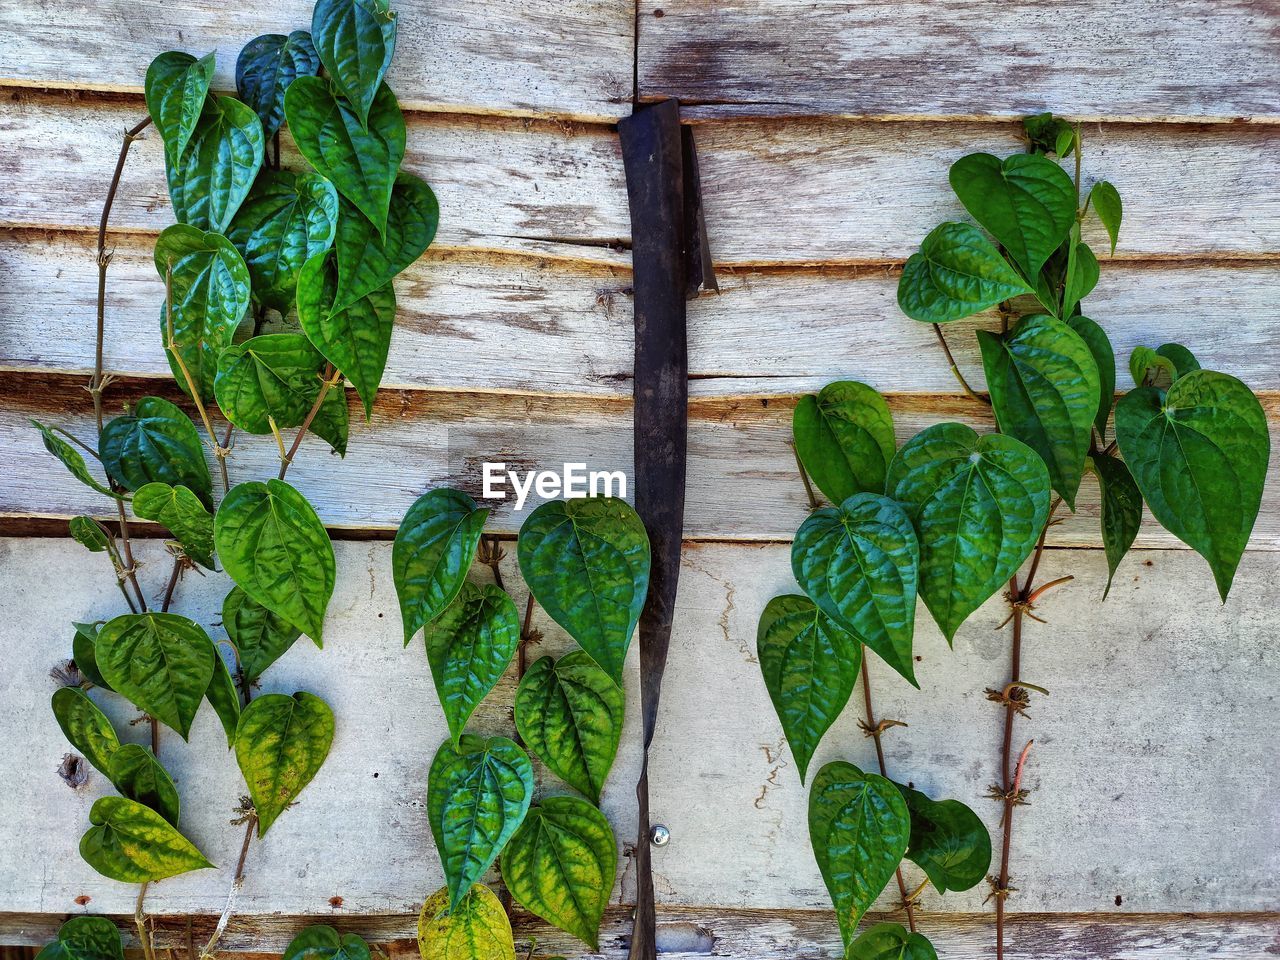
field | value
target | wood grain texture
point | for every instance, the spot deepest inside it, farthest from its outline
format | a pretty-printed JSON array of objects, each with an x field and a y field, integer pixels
[
  {"x": 742, "y": 481},
  {"x": 504, "y": 184},
  {"x": 481, "y": 56},
  {"x": 1149, "y": 60},
  {"x": 476, "y": 322},
  {"x": 1165, "y": 798}
]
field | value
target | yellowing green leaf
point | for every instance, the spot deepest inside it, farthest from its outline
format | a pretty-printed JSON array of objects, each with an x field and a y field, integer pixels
[
  {"x": 281, "y": 744},
  {"x": 476, "y": 929},
  {"x": 181, "y": 511},
  {"x": 86, "y": 727},
  {"x": 132, "y": 843}
]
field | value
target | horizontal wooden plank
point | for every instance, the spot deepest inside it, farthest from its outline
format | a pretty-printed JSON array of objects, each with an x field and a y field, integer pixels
[
  {"x": 482, "y": 56},
  {"x": 511, "y": 185},
  {"x": 473, "y": 322},
  {"x": 1161, "y": 799},
  {"x": 742, "y": 482},
  {"x": 986, "y": 58}
]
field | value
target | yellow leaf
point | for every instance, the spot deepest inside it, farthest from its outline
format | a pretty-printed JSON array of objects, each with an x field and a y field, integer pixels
[{"x": 477, "y": 930}]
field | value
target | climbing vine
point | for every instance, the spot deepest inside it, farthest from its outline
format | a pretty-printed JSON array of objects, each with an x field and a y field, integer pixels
[
  {"x": 954, "y": 515},
  {"x": 314, "y": 252}
]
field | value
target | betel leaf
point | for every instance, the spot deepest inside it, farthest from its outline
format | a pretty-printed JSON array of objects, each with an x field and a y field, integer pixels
[
  {"x": 322, "y": 942},
  {"x": 810, "y": 665},
  {"x": 469, "y": 647},
  {"x": 949, "y": 842},
  {"x": 569, "y": 712},
  {"x": 210, "y": 179},
  {"x": 368, "y": 261},
  {"x": 275, "y": 548},
  {"x": 432, "y": 553},
  {"x": 476, "y": 929},
  {"x": 156, "y": 441},
  {"x": 71, "y": 459},
  {"x": 355, "y": 339},
  {"x": 890, "y": 941},
  {"x": 130, "y": 842},
  {"x": 259, "y": 636},
  {"x": 287, "y": 219},
  {"x": 844, "y": 437},
  {"x": 138, "y": 775},
  {"x": 1081, "y": 276},
  {"x": 86, "y": 727},
  {"x": 560, "y": 866},
  {"x": 978, "y": 505},
  {"x": 1045, "y": 391},
  {"x": 477, "y": 796},
  {"x": 176, "y": 87},
  {"x": 1199, "y": 453},
  {"x": 161, "y": 662},
  {"x": 84, "y": 653},
  {"x": 860, "y": 563},
  {"x": 181, "y": 511},
  {"x": 209, "y": 290},
  {"x": 859, "y": 827},
  {"x": 1121, "y": 509},
  {"x": 281, "y": 744},
  {"x": 265, "y": 68},
  {"x": 1046, "y": 132},
  {"x": 1106, "y": 203},
  {"x": 87, "y": 532},
  {"x": 85, "y": 938},
  {"x": 957, "y": 273},
  {"x": 361, "y": 162},
  {"x": 1104, "y": 356},
  {"x": 355, "y": 39},
  {"x": 1145, "y": 362},
  {"x": 224, "y": 699},
  {"x": 1027, "y": 202},
  {"x": 1183, "y": 360},
  {"x": 587, "y": 563},
  {"x": 277, "y": 377}
]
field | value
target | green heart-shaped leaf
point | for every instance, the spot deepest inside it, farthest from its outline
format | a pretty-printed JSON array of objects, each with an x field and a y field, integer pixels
[
  {"x": 1105, "y": 199},
  {"x": 586, "y": 561},
  {"x": 1028, "y": 203},
  {"x": 569, "y": 712},
  {"x": 275, "y": 548},
  {"x": 287, "y": 219},
  {"x": 138, "y": 775},
  {"x": 948, "y": 841},
  {"x": 860, "y": 563},
  {"x": 355, "y": 39},
  {"x": 209, "y": 293},
  {"x": 176, "y": 87},
  {"x": 132, "y": 843},
  {"x": 844, "y": 436},
  {"x": 476, "y": 929},
  {"x": 477, "y": 796},
  {"x": 281, "y": 744},
  {"x": 181, "y": 511},
  {"x": 361, "y": 161},
  {"x": 161, "y": 662},
  {"x": 957, "y": 273},
  {"x": 1199, "y": 455},
  {"x": 86, "y": 727},
  {"x": 1104, "y": 356},
  {"x": 469, "y": 647},
  {"x": 433, "y": 550},
  {"x": 810, "y": 665},
  {"x": 560, "y": 866},
  {"x": 1045, "y": 390},
  {"x": 322, "y": 942},
  {"x": 156, "y": 441},
  {"x": 859, "y": 826},
  {"x": 368, "y": 260},
  {"x": 211, "y": 177},
  {"x": 1081, "y": 277},
  {"x": 265, "y": 68},
  {"x": 890, "y": 941},
  {"x": 1173, "y": 358},
  {"x": 71, "y": 458},
  {"x": 224, "y": 698},
  {"x": 259, "y": 636},
  {"x": 87, "y": 532},
  {"x": 1121, "y": 509},
  {"x": 355, "y": 339},
  {"x": 85, "y": 654},
  {"x": 978, "y": 505},
  {"x": 85, "y": 938}
]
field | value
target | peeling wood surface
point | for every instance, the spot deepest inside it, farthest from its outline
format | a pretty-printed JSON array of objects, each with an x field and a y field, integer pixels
[
  {"x": 1120, "y": 796},
  {"x": 569, "y": 58},
  {"x": 742, "y": 482},
  {"x": 1149, "y": 59}
]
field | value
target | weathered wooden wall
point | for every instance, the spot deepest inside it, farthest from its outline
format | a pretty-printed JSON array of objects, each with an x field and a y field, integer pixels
[{"x": 825, "y": 132}]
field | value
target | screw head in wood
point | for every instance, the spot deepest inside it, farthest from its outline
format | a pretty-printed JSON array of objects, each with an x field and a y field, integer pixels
[{"x": 659, "y": 835}]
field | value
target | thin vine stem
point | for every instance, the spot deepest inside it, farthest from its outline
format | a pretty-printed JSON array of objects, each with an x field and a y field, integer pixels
[
  {"x": 804, "y": 475},
  {"x": 955, "y": 368},
  {"x": 331, "y": 378},
  {"x": 140, "y": 921}
]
